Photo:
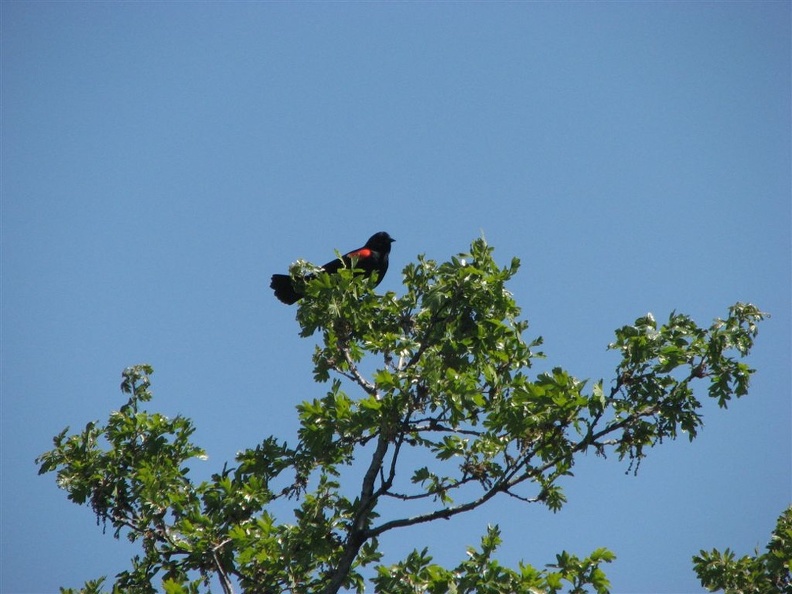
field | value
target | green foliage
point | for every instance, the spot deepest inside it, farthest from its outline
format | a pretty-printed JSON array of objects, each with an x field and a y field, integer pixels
[
  {"x": 481, "y": 574},
  {"x": 442, "y": 372},
  {"x": 653, "y": 396},
  {"x": 768, "y": 573},
  {"x": 91, "y": 587}
]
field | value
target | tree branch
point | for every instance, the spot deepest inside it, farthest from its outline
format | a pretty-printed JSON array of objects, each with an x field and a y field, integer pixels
[
  {"x": 513, "y": 478},
  {"x": 225, "y": 582},
  {"x": 388, "y": 483},
  {"x": 357, "y": 534},
  {"x": 355, "y": 376},
  {"x": 445, "y": 514}
]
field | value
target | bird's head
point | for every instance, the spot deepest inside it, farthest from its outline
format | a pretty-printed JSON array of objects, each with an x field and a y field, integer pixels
[{"x": 380, "y": 242}]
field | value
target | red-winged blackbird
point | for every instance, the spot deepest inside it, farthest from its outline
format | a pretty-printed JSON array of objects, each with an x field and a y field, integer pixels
[{"x": 370, "y": 258}]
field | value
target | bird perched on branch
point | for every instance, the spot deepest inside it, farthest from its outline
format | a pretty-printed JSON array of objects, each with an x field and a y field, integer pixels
[{"x": 372, "y": 257}]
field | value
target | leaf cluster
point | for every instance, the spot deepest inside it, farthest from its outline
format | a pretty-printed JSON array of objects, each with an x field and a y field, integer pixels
[
  {"x": 765, "y": 573},
  {"x": 481, "y": 573}
]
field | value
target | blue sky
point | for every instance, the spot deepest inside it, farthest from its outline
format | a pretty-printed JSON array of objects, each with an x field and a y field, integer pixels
[{"x": 161, "y": 160}]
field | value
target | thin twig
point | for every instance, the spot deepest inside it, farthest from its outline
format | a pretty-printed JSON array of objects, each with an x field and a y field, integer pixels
[{"x": 354, "y": 375}]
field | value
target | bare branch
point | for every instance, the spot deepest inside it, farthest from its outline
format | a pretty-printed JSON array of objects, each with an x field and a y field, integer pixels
[
  {"x": 355, "y": 376},
  {"x": 444, "y": 514},
  {"x": 521, "y": 498},
  {"x": 225, "y": 581},
  {"x": 427, "y": 494},
  {"x": 435, "y": 425},
  {"x": 387, "y": 483},
  {"x": 357, "y": 534}
]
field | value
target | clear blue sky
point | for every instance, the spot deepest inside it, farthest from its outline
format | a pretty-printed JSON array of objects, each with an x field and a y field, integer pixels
[{"x": 161, "y": 160}]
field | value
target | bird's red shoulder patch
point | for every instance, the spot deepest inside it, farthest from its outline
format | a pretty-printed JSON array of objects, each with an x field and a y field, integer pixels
[{"x": 361, "y": 253}]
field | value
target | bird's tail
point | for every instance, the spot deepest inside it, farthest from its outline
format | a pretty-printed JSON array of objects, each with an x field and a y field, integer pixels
[{"x": 284, "y": 289}]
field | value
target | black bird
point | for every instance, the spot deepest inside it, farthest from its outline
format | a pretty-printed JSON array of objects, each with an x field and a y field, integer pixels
[{"x": 372, "y": 257}]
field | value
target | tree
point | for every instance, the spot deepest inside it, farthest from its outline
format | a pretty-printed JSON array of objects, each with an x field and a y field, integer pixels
[
  {"x": 453, "y": 386},
  {"x": 767, "y": 573}
]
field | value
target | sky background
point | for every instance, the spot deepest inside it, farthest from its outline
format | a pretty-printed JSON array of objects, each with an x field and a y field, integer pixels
[{"x": 161, "y": 160}]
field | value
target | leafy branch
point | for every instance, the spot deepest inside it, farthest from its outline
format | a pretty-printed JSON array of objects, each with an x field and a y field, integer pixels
[{"x": 443, "y": 371}]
